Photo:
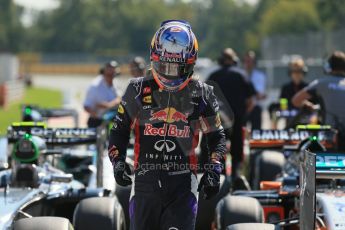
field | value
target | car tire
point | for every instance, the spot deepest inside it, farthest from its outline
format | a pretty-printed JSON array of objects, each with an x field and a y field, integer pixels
[
  {"x": 268, "y": 165},
  {"x": 99, "y": 213},
  {"x": 206, "y": 208},
  {"x": 251, "y": 226},
  {"x": 43, "y": 223},
  {"x": 123, "y": 194},
  {"x": 238, "y": 209}
]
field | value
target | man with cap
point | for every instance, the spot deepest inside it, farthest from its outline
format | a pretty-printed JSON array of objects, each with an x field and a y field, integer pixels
[{"x": 101, "y": 94}]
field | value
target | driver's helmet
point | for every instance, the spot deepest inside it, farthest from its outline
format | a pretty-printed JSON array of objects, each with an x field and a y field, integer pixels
[{"x": 174, "y": 50}]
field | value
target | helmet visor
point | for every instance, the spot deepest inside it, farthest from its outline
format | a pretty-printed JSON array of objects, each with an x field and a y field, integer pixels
[
  {"x": 168, "y": 69},
  {"x": 173, "y": 70}
]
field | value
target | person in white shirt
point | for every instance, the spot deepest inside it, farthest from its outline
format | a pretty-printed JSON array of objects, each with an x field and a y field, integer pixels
[
  {"x": 258, "y": 79},
  {"x": 101, "y": 94}
]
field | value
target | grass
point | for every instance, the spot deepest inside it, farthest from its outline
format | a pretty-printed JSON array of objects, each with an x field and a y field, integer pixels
[{"x": 42, "y": 97}]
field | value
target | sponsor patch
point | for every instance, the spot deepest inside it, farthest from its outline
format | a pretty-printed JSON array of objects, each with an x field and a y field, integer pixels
[
  {"x": 147, "y": 90},
  {"x": 175, "y": 29},
  {"x": 173, "y": 131},
  {"x": 165, "y": 145},
  {"x": 174, "y": 116},
  {"x": 120, "y": 110},
  {"x": 113, "y": 152},
  {"x": 147, "y": 99}
]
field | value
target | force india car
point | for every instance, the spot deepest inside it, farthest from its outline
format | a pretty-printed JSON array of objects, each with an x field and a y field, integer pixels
[
  {"x": 289, "y": 201},
  {"x": 34, "y": 193},
  {"x": 273, "y": 151}
]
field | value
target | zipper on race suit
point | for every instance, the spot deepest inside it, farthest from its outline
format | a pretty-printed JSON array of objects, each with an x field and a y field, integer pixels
[{"x": 163, "y": 153}]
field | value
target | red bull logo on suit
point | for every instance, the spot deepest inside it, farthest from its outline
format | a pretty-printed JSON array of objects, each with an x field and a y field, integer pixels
[
  {"x": 169, "y": 115},
  {"x": 172, "y": 131}
]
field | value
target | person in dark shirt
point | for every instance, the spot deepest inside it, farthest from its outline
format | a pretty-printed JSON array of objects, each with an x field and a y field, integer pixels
[
  {"x": 238, "y": 93},
  {"x": 297, "y": 72}
]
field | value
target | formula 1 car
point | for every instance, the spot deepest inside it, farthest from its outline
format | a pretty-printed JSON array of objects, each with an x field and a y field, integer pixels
[
  {"x": 289, "y": 202},
  {"x": 34, "y": 193},
  {"x": 273, "y": 151},
  {"x": 281, "y": 113},
  {"x": 82, "y": 148},
  {"x": 37, "y": 114}
]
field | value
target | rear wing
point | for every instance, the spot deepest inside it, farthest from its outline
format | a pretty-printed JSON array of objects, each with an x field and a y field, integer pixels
[
  {"x": 316, "y": 166},
  {"x": 53, "y": 136},
  {"x": 278, "y": 138}
]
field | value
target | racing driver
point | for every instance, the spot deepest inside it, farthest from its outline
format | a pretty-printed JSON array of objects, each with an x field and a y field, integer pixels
[{"x": 167, "y": 109}]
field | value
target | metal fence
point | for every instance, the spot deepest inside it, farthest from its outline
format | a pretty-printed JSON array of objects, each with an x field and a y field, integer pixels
[
  {"x": 308, "y": 45},
  {"x": 277, "y": 71},
  {"x": 313, "y": 47}
]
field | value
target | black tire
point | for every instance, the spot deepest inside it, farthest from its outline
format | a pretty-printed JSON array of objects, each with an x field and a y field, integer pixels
[
  {"x": 238, "y": 209},
  {"x": 43, "y": 223},
  {"x": 99, "y": 213},
  {"x": 123, "y": 193},
  {"x": 267, "y": 166},
  {"x": 206, "y": 208},
  {"x": 251, "y": 226}
]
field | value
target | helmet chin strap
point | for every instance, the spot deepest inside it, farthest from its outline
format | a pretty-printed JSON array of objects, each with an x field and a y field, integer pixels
[{"x": 173, "y": 89}]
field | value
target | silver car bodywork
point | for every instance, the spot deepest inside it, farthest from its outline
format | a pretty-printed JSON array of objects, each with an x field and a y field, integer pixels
[{"x": 14, "y": 200}]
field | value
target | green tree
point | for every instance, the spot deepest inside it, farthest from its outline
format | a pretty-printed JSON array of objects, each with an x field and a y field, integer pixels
[
  {"x": 293, "y": 16},
  {"x": 141, "y": 19},
  {"x": 332, "y": 13},
  {"x": 224, "y": 24},
  {"x": 11, "y": 30},
  {"x": 122, "y": 26}
]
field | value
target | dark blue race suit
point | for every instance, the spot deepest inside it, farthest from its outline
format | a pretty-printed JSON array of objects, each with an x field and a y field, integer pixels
[{"x": 166, "y": 127}]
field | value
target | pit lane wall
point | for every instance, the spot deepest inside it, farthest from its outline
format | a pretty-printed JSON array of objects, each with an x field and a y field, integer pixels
[{"x": 68, "y": 63}]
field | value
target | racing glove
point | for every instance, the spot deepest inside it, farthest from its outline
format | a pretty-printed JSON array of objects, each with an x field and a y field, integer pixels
[
  {"x": 121, "y": 173},
  {"x": 210, "y": 181}
]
